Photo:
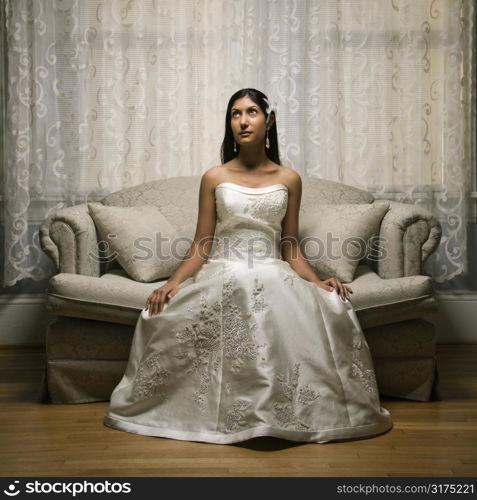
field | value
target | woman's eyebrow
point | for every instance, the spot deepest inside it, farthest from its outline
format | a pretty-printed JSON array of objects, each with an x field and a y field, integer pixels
[{"x": 249, "y": 108}]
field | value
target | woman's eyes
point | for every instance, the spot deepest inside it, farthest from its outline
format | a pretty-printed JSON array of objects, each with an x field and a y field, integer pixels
[{"x": 253, "y": 111}]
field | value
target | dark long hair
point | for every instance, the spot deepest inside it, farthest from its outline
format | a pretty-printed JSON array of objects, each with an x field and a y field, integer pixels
[{"x": 227, "y": 152}]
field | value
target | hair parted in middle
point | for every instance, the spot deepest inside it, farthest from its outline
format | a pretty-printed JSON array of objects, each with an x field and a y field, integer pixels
[{"x": 227, "y": 152}]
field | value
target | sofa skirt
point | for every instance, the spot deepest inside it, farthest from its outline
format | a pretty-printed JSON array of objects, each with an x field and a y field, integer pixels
[{"x": 86, "y": 359}]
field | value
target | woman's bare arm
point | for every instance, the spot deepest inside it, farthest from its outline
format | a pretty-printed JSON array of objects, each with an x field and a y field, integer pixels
[
  {"x": 206, "y": 220},
  {"x": 290, "y": 241},
  {"x": 199, "y": 250}
]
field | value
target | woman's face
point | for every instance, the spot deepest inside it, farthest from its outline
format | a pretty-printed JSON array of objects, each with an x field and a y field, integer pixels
[{"x": 247, "y": 121}]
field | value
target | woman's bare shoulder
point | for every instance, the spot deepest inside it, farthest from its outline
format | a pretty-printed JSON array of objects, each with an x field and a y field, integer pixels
[
  {"x": 213, "y": 175},
  {"x": 291, "y": 178}
]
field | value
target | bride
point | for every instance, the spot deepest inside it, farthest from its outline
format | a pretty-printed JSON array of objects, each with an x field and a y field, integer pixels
[{"x": 244, "y": 339}]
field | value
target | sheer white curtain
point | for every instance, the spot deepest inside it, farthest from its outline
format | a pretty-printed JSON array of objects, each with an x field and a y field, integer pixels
[{"x": 105, "y": 94}]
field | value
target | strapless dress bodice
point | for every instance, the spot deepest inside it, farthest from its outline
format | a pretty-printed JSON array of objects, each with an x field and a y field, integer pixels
[{"x": 248, "y": 222}]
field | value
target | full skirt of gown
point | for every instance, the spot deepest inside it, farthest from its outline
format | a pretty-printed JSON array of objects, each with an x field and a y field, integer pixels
[{"x": 243, "y": 351}]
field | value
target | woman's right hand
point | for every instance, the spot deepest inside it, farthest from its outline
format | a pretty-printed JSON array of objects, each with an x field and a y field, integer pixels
[
  {"x": 325, "y": 286},
  {"x": 335, "y": 284},
  {"x": 155, "y": 302}
]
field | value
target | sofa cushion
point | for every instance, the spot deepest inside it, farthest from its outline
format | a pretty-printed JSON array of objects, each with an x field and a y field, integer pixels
[
  {"x": 335, "y": 238},
  {"x": 116, "y": 298},
  {"x": 113, "y": 297},
  {"x": 380, "y": 301},
  {"x": 141, "y": 238}
]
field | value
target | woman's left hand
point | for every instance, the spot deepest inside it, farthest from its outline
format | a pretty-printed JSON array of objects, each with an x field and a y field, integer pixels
[{"x": 343, "y": 290}]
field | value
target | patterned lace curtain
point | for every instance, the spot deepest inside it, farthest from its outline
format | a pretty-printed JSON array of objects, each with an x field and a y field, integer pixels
[{"x": 106, "y": 94}]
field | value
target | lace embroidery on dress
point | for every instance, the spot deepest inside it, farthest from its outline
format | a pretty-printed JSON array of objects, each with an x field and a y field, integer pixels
[
  {"x": 203, "y": 336},
  {"x": 359, "y": 370},
  {"x": 200, "y": 394},
  {"x": 269, "y": 207},
  {"x": 237, "y": 243},
  {"x": 150, "y": 379},
  {"x": 290, "y": 277},
  {"x": 221, "y": 326},
  {"x": 258, "y": 299},
  {"x": 238, "y": 331},
  {"x": 235, "y": 416},
  {"x": 286, "y": 413}
]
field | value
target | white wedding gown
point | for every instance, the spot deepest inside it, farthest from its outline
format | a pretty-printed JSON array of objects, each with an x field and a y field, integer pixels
[{"x": 247, "y": 348}]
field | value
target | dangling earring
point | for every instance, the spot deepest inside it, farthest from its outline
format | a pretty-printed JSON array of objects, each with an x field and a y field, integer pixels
[
  {"x": 235, "y": 147},
  {"x": 267, "y": 142}
]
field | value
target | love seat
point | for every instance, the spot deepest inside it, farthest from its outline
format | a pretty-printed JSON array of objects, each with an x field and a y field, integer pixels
[{"x": 96, "y": 303}]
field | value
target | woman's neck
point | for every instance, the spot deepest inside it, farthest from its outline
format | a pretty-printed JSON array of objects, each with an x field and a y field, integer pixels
[{"x": 252, "y": 158}]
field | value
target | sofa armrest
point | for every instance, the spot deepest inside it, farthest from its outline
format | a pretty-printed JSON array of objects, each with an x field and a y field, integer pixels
[
  {"x": 69, "y": 238},
  {"x": 409, "y": 234}
]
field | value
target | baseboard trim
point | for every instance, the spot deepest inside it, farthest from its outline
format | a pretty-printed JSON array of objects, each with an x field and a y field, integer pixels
[
  {"x": 24, "y": 318},
  {"x": 7, "y": 299},
  {"x": 457, "y": 296},
  {"x": 23, "y": 347}
]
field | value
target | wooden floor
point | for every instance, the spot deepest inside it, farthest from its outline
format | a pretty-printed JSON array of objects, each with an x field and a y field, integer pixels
[{"x": 428, "y": 439}]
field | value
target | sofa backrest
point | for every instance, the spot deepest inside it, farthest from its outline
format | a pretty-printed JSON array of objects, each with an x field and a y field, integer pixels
[{"x": 177, "y": 197}]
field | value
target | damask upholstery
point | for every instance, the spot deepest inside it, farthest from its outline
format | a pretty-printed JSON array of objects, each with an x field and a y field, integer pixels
[
  {"x": 97, "y": 304},
  {"x": 117, "y": 297},
  {"x": 141, "y": 238},
  {"x": 410, "y": 235},
  {"x": 79, "y": 352},
  {"x": 337, "y": 236},
  {"x": 68, "y": 237}
]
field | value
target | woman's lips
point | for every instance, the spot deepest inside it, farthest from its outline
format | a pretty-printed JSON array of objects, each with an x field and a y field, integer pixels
[{"x": 245, "y": 134}]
